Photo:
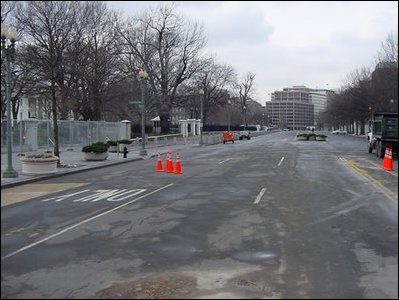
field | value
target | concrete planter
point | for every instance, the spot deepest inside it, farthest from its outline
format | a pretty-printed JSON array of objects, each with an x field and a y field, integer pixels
[
  {"x": 112, "y": 149},
  {"x": 95, "y": 156},
  {"x": 301, "y": 138},
  {"x": 319, "y": 138},
  {"x": 121, "y": 146},
  {"x": 38, "y": 166}
]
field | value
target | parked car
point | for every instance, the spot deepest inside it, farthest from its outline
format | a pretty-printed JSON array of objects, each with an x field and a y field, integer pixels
[
  {"x": 227, "y": 136},
  {"x": 339, "y": 131},
  {"x": 244, "y": 134}
]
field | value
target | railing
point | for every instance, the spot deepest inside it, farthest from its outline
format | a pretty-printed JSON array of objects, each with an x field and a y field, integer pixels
[{"x": 36, "y": 135}]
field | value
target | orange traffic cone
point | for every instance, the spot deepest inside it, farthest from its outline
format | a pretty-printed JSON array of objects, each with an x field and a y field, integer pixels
[
  {"x": 387, "y": 163},
  {"x": 169, "y": 163},
  {"x": 178, "y": 169},
  {"x": 159, "y": 167}
]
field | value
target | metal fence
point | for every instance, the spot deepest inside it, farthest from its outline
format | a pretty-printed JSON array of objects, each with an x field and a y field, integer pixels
[
  {"x": 34, "y": 135},
  {"x": 37, "y": 135}
]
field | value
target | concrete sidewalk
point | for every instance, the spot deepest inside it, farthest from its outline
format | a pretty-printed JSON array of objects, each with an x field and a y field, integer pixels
[{"x": 73, "y": 162}]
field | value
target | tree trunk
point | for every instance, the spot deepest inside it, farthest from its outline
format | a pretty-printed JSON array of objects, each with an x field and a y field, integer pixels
[
  {"x": 55, "y": 124},
  {"x": 164, "y": 116},
  {"x": 165, "y": 126}
]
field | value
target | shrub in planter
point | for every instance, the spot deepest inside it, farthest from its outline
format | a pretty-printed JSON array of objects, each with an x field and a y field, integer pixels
[
  {"x": 95, "y": 151},
  {"x": 111, "y": 143},
  {"x": 98, "y": 147},
  {"x": 112, "y": 146},
  {"x": 321, "y": 137},
  {"x": 123, "y": 144},
  {"x": 303, "y": 136},
  {"x": 127, "y": 142},
  {"x": 311, "y": 136}
]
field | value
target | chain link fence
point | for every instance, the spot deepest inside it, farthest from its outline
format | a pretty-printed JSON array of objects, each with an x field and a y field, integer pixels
[{"x": 35, "y": 135}]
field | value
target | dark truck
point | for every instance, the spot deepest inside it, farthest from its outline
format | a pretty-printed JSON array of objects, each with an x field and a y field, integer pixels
[{"x": 384, "y": 133}]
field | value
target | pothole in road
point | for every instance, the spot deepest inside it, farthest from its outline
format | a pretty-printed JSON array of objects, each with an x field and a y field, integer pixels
[{"x": 164, "y": 287}]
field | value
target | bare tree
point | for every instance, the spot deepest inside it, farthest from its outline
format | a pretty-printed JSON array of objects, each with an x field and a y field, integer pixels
[
  {"x": 7, "y": 7},
  {"x": 49, "y": 26},
  {"x": 385, "y": 76},
  {"x": 389, "y": 49},
  {"x": 214, "y": 79},
  {"x": 246, "y": 90},
  {"x": 168, "y": 48},
  {"x": 94, "y": 63}
]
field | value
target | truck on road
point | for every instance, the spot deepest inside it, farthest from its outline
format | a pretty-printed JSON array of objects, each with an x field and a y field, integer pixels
[{"x": 384, "y": 133}]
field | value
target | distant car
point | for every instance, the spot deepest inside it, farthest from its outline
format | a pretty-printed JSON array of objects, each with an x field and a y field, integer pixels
[
  {"x": 339, "y": 131},
  {"x": 227, "y": 136},
  {"x": 286, "y": 129},
  {"x": 244, "y": 134}
]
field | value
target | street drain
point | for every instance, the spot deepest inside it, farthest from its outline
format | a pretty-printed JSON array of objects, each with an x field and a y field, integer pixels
[{"x": 164, "y": 287}]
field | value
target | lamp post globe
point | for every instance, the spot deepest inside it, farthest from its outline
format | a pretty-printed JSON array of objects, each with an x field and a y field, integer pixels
[
  {"x": 143, "y": 75},
  {"x": 202, "y": 95},
  {"x": 8, "y": 38}
]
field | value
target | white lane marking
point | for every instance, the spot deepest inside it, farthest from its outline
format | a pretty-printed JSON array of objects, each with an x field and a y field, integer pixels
[
  {"x": 281, "y": 161},
  {"x": 224, "y": 161},
  {"x": 60, "y": 198},
  {"x": 260, "y": 196},
  {"x": 82, "y": 222}
]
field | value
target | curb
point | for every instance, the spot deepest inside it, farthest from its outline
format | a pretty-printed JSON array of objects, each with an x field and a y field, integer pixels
[
  {"x": 83, "y": 169},
  {"x": 44, "y": 177}
]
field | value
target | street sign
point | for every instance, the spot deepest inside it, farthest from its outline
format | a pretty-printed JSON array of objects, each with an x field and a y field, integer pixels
[{"x": 134, "y": 102}]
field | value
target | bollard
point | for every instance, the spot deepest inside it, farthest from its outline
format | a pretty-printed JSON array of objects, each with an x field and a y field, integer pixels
[{"x": 124, "y": 152}]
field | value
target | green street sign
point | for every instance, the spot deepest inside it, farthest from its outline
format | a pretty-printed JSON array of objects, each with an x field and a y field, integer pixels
[{"x": 134, "y": 102}]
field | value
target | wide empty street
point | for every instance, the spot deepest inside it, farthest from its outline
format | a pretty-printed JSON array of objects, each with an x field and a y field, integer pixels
[{"x": 269, "y": 217}]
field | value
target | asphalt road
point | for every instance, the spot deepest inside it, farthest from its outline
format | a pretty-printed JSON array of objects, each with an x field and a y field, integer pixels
[{"x": 271, "y": 217}]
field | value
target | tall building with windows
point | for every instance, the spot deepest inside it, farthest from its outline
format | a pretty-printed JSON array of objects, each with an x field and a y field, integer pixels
[{"x": 297, "y": 107}]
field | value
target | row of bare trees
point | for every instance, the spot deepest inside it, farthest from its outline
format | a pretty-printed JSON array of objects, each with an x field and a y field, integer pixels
[
  {"x": 84, "y": 59},
  {"x": 367, "y": 91}
]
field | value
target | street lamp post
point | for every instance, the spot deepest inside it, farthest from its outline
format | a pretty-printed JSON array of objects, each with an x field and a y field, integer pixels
[
  {"x": 228, "y": 114},
  {"x": 143, "y": 75},
  {"x": 244, "y": 108},
  {"x": 202, "y": 95},
  {"x": 263, "y": 120},
  {"x": 8, "y": 37}
]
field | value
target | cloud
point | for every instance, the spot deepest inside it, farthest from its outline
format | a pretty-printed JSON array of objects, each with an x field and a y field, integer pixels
[
  {"x": 238, "y": 27},
  {"x": 312, "y": 43}
]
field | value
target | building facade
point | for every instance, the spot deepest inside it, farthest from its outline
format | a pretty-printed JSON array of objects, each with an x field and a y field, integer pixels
[{"x": 297, "y": 107}]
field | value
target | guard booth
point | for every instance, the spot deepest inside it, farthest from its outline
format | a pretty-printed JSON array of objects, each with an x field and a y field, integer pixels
[
  {"x": 190, "y": 127},
  {"x": 156, "y": 125}
]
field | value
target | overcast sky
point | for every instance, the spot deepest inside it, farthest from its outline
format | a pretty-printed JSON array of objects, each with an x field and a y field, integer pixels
[{"x": 316, "y": 44}]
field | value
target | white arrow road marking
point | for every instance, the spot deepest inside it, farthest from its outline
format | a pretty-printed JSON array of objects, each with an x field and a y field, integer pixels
[
  {"x": 60, "y": 198},
  {"x": 262, "y": 192},
  {"x": 224, "y": 161},
  {"x": 83, "y": 222}
]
